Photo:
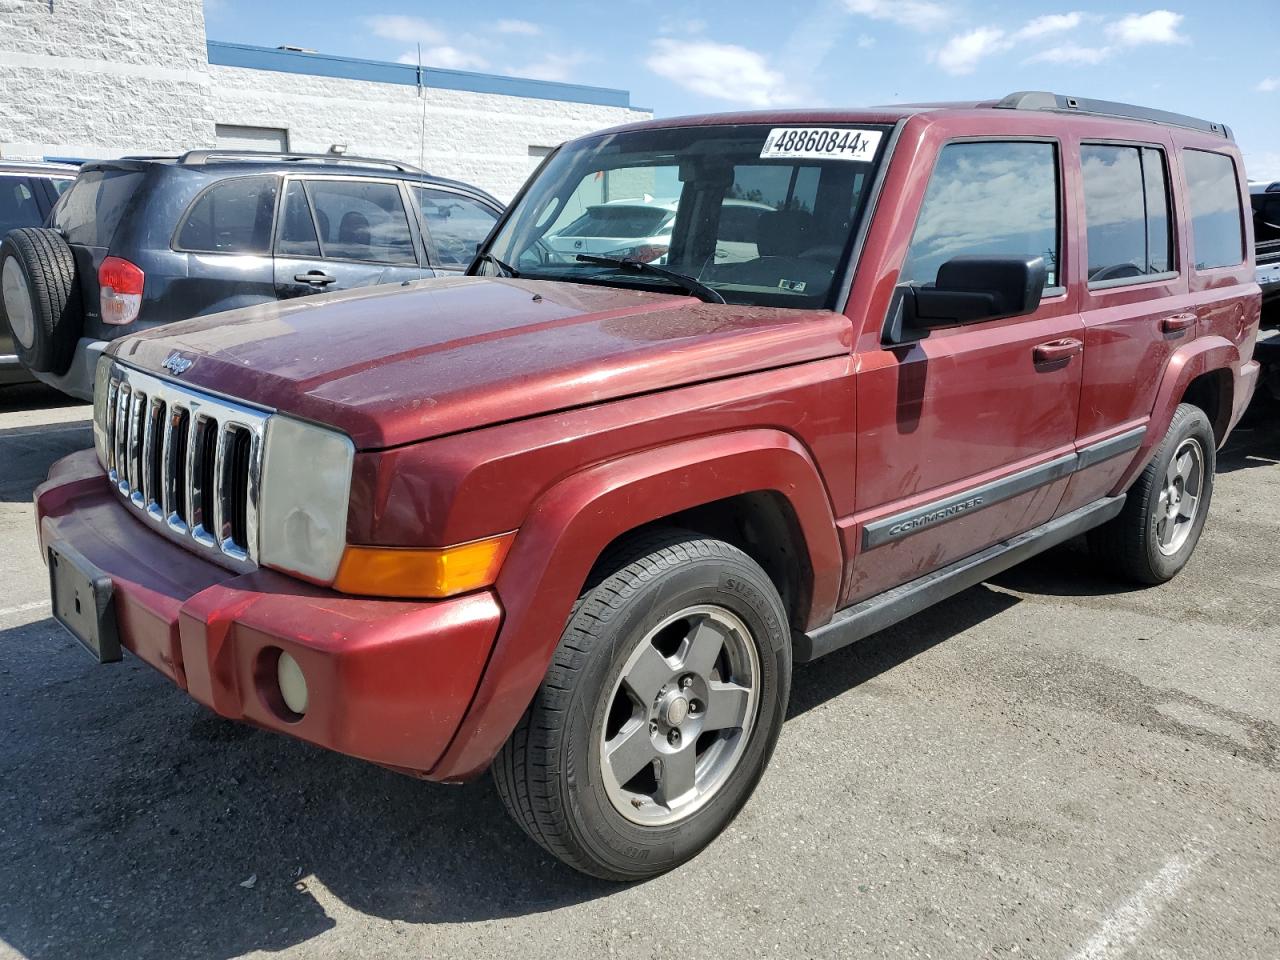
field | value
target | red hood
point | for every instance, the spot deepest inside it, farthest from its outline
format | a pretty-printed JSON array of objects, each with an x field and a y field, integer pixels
[{"x": 395, "y": 364}]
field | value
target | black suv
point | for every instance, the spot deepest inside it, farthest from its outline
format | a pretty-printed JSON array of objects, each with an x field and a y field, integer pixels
[
  {"x": 143, "y": 241},
  {"x": 28, "y": 191},
  {"x": 1266, "y": 231}
]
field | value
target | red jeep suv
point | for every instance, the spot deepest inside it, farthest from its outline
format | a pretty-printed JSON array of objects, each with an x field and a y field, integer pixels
[{"x": 575, "y": 515}]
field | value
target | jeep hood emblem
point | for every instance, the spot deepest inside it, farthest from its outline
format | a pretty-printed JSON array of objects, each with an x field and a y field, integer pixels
[{"x": 176, "y": 363}]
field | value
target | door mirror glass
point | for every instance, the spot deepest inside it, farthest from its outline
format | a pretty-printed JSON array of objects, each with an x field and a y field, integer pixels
[{"x": 970, "y": 289}]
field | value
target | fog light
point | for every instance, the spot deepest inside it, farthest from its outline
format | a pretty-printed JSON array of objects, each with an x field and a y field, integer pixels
[{"x": 293, "y": 685}]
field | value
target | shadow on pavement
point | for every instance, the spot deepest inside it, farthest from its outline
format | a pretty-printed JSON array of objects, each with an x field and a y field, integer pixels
[
  {"x": 839, "y": 672},
  {"x": 1255, "y": 442},
  {"x": 35, "y": 396},
  {"x": 131, "y": 817},
  {"x": 134, "y": 815},
  {"x": 26, "y": 453}
]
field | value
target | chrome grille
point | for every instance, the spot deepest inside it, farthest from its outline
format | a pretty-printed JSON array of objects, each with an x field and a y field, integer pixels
[{"x": 190, "y": 463}]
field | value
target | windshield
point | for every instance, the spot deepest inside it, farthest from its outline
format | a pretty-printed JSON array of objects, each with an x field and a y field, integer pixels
[{"x": 763, "y": 215}]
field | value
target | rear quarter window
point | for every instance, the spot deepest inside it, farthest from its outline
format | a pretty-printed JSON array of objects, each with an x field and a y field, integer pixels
[
  {"x": 92, "y": 208},
  {"x": 1217, "y": 234},
  {"x": 233, "y": 216}
]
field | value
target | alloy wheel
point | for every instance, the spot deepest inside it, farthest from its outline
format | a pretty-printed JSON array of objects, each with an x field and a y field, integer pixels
[
  {"x": 1179, "y": 501},
  {"x": 680, "y": 715}
]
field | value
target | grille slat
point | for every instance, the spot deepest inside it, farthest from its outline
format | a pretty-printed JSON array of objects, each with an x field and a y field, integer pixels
[
  {"x": 190, "y": 462},
  {"x": 136, "y": 430},
  {"x": 122, "y": 438}
]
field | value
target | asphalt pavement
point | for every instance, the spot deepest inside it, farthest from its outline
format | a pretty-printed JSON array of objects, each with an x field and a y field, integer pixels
[{"x": 1048, "y": 765}]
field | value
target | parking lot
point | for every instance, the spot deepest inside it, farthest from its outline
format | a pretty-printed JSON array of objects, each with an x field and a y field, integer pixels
[{"x": 1048, "y": 765}]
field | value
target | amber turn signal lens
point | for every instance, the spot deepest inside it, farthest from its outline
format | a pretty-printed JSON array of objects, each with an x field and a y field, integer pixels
[{"x": 422, "y": 573}]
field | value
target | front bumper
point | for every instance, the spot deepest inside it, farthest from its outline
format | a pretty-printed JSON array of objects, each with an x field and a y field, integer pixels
[{"x": 388, "y": 680}]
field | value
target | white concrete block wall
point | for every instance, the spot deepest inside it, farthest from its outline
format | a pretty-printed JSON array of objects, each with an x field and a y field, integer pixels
[
  {"x": 477, "y": 137},
  {"x": 102, "y": 77}
]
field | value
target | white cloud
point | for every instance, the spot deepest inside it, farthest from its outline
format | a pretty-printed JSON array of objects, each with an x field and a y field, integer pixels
[
  {"x": 1071, "y": 53},
  {"x": 721, "y": 70},
  {"x": 451, "y": 58},
  {"x": 916, "y": 14},
  {"x": 866, "y": 41},
  {"x": 1268, "y": 85},
  {"x": 1050, "y": 24},
  {"x": 1136, "y": 29},
  {"x": 553, "y": 66},
  {"x": 406, "y": 29},
  {"x": 1264, "y": 165},
  {"x": 522, "y": 27},
  {"x": 963, "y": 52},
  {"x": 446, "y": 57},
  {"x": 678, "y": 25}
]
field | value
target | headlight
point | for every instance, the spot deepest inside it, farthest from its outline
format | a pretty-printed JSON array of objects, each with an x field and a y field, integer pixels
[
  {"x": 100, "y": 376},
  {"x": 306, "y": 485}
]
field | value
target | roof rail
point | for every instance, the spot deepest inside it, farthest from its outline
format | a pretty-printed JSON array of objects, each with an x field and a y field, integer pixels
[
  {"x": 204, "y": 156},
  {"x": 1041, "y": 100}
]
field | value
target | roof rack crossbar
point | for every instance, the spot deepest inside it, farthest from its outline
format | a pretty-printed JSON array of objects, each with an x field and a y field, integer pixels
[
  {"x": 1043, "y": 100},
  {"x": 204, "y": 156}
]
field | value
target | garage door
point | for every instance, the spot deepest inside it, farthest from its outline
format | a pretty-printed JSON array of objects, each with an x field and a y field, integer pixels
[{"x": 231, "y": 137}]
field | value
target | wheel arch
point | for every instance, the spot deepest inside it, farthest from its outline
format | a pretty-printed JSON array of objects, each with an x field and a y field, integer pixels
[
  {"x": 745, "y": 486},
  {"x": 1202, "y": 373}
]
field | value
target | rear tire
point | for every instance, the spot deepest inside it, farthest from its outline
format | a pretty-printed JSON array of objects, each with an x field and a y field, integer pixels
[
  {"x": 659, "y": 712},
  {"x": 39, "y": 298},
  {"x": 1164, "y": 513}
]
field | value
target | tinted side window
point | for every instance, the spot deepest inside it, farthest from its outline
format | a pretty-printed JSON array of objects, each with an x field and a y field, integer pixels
[
  {"x": 18, "y": 206},
  {"x": 1126, "y": 200},
  {"x": 456, "y": 223},
  {"x": 297, "y": 230},
  {"x": 231, "y": 217},
  {"x": 1216, "y": 236},
  {"x": 362, "y": 220},
  {"x": 90, "y": 211},
  {"x": 1266, "y": 217},
  {"x": 989, "y": 199}
]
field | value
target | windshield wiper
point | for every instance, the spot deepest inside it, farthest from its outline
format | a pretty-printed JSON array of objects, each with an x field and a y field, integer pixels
[
  {"x": 507, "y": 269},
  {"x": 686, "y": 282}
]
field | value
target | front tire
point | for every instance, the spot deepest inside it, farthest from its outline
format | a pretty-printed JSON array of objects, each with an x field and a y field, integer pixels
[
  {"x": 1164, "y": 513},
  {"x": 659, "y": 712}
]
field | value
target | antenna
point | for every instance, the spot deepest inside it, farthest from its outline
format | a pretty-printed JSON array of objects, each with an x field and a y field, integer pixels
[{"x": 422, "y": 129}]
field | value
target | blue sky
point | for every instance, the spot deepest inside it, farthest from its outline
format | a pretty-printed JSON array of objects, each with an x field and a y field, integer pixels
[{"x": 1218, "y": 60}]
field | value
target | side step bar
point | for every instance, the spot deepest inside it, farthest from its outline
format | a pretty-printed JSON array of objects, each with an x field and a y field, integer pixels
[{"x": 884, "y": 610}]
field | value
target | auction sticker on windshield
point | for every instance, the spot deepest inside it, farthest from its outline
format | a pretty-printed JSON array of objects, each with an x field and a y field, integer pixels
[{"x": 820, "y": 143}]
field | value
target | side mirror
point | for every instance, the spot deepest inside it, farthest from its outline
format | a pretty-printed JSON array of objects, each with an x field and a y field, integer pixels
[{"x": 970, "y": 289}]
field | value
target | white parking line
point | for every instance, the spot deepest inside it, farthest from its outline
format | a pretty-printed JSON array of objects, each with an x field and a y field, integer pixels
[
  {"x": 1121, "y": 927},
  {"x": 24, "y": 607}
]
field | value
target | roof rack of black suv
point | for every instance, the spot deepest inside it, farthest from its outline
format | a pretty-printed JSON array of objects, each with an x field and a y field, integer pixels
[
  {"x": 205, "y": 156},
  {"x": 1041, "y": 100}
]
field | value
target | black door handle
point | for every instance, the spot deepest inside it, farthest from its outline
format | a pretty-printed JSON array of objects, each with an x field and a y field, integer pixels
[{"x": 316, "y": 278}]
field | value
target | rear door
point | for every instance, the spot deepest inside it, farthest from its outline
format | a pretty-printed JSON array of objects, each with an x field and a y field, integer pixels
[
  {"x": 225, "y": 235},
  {"x": 455, "y": 225},
  {"x": 1135, "y": 305},
  {"x": 966, "y": 437},
  {"x": 88, "y": 215},
  {"x": 338, "y": 233}
]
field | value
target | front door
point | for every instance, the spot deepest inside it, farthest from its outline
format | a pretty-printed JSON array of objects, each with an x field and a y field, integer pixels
[
  {"x": 966, "y": 437},
  {"x": 337, "y": 234}
]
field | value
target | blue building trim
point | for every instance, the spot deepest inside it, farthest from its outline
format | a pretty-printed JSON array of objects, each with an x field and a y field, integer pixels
[{"x": 379, "y": 71}]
